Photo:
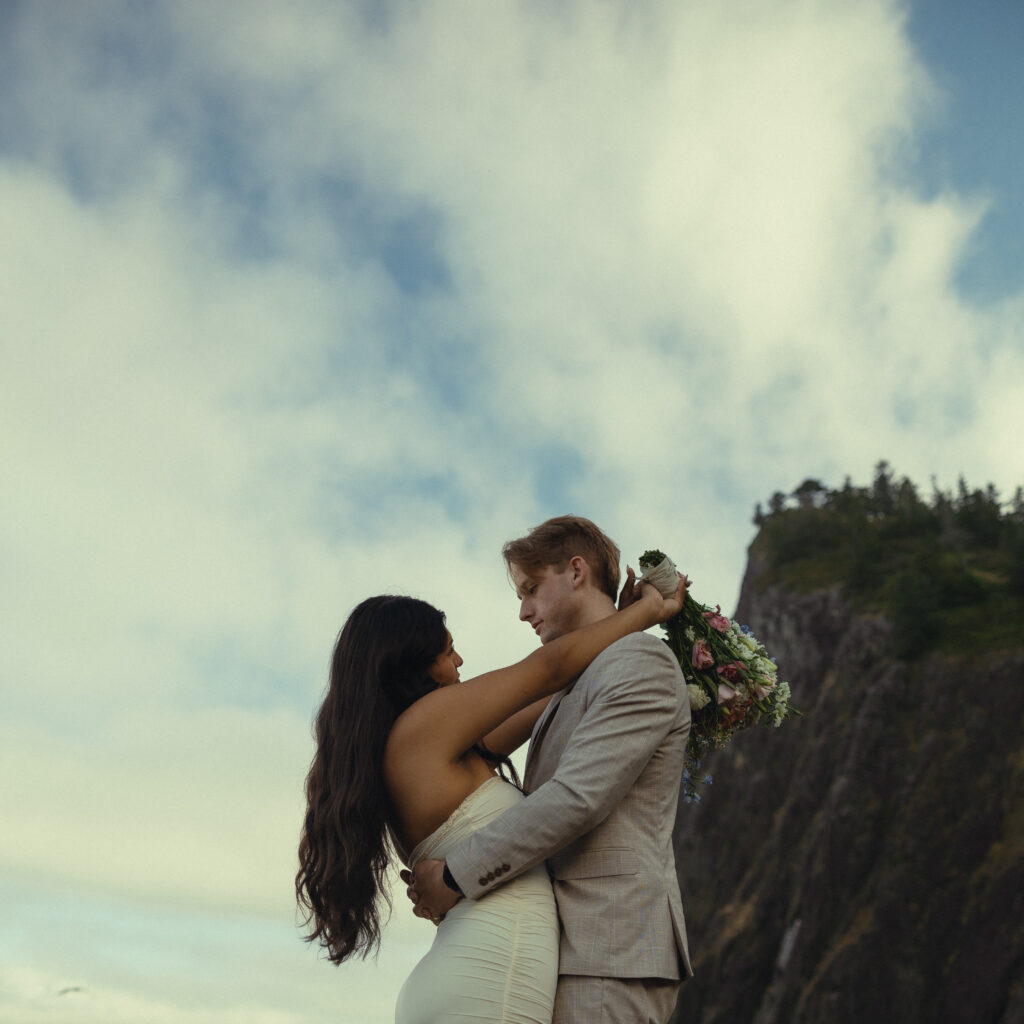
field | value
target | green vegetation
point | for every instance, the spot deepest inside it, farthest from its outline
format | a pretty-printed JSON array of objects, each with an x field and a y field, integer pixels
[{"x": 949, "y": 572}]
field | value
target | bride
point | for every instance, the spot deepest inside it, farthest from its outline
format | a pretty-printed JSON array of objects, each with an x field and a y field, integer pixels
[{"x": 408, "y": 761}]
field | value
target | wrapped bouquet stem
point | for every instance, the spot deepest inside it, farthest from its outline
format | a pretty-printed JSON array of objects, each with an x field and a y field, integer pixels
[{"x": 731, "y": 681}]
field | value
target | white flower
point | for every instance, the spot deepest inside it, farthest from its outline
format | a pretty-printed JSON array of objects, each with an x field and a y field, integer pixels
[
  {"x": 689, "y": 634},
  {"x": 780, "y": 706},
  {"x": 698, "y": 698}
]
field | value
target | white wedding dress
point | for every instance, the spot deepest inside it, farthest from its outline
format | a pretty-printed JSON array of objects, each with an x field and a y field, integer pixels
[{"x": 494, "y": 959}]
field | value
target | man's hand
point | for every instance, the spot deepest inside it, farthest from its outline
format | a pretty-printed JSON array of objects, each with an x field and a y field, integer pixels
[{"x": 431, "y": 898}]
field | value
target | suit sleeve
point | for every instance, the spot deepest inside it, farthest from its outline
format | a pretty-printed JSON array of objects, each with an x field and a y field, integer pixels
[{"x": 633, "y": 698}]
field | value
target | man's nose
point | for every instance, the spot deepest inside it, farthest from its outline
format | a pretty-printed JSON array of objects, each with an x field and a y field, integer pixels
[{"x": 524, "y": 612}]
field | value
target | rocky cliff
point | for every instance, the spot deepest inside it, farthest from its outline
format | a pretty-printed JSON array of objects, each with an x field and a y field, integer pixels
[{"x": 863, "y": 863}]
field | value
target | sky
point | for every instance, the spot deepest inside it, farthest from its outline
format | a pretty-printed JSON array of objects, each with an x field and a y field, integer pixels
[{"x": 304, "y": 302}]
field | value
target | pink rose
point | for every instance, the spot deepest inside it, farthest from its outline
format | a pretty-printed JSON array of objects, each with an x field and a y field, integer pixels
[
  {"x": 725, "y": 693},
  {"x": 701, "y": 657},
  {"x": 729, "y": 672},
  {"x": 716, "y": 620}
]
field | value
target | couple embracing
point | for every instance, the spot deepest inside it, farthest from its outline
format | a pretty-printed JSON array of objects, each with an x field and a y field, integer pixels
[{"x": 557, "y": 901}]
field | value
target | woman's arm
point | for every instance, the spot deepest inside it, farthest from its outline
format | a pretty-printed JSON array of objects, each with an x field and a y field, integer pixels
[{"x": 445, "y": 723}]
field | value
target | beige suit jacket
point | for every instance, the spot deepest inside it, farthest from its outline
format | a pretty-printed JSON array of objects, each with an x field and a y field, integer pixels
[{"x": 602, "y": 778}]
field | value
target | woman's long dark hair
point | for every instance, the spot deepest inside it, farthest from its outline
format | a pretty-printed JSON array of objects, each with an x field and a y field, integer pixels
[{"x": 381, "y": 665}]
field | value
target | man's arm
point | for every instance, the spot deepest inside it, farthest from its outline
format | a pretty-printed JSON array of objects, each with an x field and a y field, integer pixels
[
  {"x": 637, "y": 691},
  {"x": 508, "y": 737}
]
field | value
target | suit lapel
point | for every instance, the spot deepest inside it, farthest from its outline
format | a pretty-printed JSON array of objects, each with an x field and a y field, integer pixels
[{"x": 539, "y": 732}]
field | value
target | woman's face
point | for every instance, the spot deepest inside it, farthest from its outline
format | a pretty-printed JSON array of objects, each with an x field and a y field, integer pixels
[{"x": 445, "y": 669}]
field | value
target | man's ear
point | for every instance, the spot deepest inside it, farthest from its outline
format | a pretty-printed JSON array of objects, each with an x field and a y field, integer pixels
[{"x": 579, "y": 571}]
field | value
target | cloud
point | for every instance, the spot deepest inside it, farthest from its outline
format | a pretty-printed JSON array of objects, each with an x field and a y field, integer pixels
[{"x": 717, "y": 204}]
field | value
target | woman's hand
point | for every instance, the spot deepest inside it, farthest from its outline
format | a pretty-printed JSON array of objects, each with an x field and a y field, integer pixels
[
  {"x": 674, "y": 604},
  {"x": 630, "y": 590},
  {"x": 661, "y": 608}
]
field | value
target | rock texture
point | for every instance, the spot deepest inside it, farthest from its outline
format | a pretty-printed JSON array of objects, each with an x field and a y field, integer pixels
[{"x": 864, "y": 862}]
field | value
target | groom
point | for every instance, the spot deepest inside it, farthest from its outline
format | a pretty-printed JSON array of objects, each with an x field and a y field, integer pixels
[{"x": 602, "y": 778}]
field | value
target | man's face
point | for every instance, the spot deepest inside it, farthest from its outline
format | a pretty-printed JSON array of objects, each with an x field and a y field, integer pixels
[{"x": 548, "y": 601}]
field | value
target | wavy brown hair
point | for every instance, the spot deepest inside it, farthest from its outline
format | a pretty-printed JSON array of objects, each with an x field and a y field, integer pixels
[
  {"x": 381, "y": 666},
  {"x": 556, "y": 541}
]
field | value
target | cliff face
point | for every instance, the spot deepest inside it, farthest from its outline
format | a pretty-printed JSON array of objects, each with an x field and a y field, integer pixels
[{"x": 864, "y": 862}]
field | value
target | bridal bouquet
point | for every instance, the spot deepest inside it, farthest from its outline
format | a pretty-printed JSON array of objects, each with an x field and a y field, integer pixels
[{"x": 731, "y": 681}]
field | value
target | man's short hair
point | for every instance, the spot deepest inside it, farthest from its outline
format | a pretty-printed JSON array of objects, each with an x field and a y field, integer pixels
[{"x": 561, "y": 539}]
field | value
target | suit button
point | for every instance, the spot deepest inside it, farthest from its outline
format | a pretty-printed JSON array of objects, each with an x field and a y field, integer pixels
[
  {"x": 505, "y": 867},
  {"x": 498, "y": 871},
  {"x": 490, "y": 876},
  {"x": 482, "y": 881}
]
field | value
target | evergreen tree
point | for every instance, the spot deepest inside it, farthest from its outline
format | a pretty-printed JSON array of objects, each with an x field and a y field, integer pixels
[
  {"x": 850, "y": 501},
  {"x": 1017, "y": 506},
  {"x": 1015, "y": 583},
  {"x": 809, "y": 494},
  {"x": 882, "y": 491},
  {"x": 915, "y": 616},
  {"x": 979, "y": 515}
]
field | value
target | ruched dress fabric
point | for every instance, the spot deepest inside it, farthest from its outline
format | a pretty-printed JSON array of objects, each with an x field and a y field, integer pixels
[{"x": 494, "y": 959}]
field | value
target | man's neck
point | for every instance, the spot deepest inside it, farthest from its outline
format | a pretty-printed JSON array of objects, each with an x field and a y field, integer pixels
[{"x": 598, "y": 606}]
